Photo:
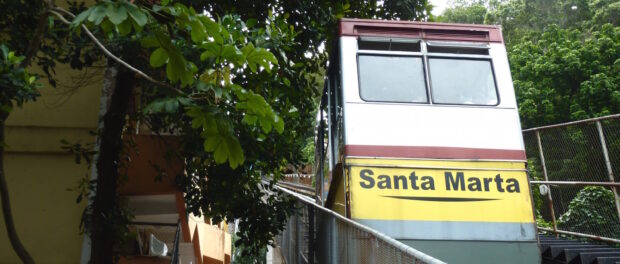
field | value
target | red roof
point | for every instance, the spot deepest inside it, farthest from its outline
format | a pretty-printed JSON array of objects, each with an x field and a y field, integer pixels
[{"x": 421, "y": 30}]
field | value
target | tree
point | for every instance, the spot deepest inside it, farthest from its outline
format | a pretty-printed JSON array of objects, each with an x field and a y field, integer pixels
[
  {"x": 28, "y": 22},
  {"x": 16, "y": 87},
  {"x": 226, "y": 85},
  {"x": 465, "y": 12},
  {"x": 236, "y": 109},
  {"x": 565, "y": 75},
  {"x": 592, "y": 207}
]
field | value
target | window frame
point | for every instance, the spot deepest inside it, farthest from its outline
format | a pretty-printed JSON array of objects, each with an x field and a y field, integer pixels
[
  {"x": 425, "y": 55},
  {"x": 476, "y": 58},
  {"x": 394, "y": 54}
]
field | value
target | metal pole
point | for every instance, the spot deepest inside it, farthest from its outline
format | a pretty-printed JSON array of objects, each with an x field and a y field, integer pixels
[
  {"x": 311, "y": 237},
  {"x": 542, "y": 161},
  {"x": 612, "y": 184},
  {"x": 585, "y": 121},
  {"x": 610, "y": 172},
  {"x": 333, "y": 231},
  {"x": 593, "y": 237},
  {"x": 296, "y": 250}
]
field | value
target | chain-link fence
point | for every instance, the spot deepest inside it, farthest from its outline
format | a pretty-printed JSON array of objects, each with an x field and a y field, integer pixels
[
  {"x": 317, "y": 235},
  {"x": 574, "y": 171}
]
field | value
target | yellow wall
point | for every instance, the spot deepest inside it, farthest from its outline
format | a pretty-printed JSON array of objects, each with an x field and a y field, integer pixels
[
  {"x": 39, "y": 172},
  {"x": 212, "y": 243}
]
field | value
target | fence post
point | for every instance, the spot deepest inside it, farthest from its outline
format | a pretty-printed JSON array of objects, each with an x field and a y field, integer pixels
[
  {"x": 333, "y": 234},
  {"x": 542, "y": 161},
  {"x": 610, "y": 172},
  {"x": 297, "y": 250},
  {"x": 311, "y": 238}
]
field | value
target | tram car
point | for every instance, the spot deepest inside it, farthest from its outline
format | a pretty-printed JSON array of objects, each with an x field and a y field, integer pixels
[{"x": 419, "y": 138}]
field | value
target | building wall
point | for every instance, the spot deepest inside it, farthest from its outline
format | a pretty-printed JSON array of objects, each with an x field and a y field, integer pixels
[{"x": 39, "y": 172}]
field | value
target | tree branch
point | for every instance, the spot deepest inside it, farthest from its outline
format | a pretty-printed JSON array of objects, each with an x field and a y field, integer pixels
[
  {"x": 55, "y": 10},
  {"x": 33, "y": 47},
  {"x": 6, "y": 204}
]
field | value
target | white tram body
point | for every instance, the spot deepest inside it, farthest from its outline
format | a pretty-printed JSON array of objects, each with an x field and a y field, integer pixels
[{"x": 420, "y": 139}]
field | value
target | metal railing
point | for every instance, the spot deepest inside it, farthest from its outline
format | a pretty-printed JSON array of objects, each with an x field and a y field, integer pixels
[
  {"x": 299, "y": 178},
  {"x": 175, "y": 244},
  {"x": 574, "y": 169},
  {"x": 318, "y": 235}
]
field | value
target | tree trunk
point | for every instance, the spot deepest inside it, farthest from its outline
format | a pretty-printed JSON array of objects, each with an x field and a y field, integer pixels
[
  {"x": 105, "y": 205},
  {"x": 6, "y": 204}
]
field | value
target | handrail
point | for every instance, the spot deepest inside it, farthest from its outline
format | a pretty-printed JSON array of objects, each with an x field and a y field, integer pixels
[
  {"x": 584, "y": 121},
  {"x": 388, "y": 240},
  {"x": 175, "y": 248}
]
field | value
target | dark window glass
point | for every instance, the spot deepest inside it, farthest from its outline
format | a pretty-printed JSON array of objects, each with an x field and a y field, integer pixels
[
  {"x": 392, "y": 79},
  {"x": 458, "y": 50},
  {"x": 462, "y": 81},
  {"x": 389, "y": 44}
]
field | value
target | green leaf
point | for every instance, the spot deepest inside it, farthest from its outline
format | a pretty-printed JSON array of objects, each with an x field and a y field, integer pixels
[
  {"x": 213, "y": 50},
  {"x": 157, "y": 8},
  {"x": 258, "y": 56},
  {"x": 116, "y": 13},
  {"x": 6, "y": 108},
  {"x": 251, "y": 23},
  {"x": 235, "y": 151},
  {"x": 230, "y": 52},
  {"x": 192, "y": 67},
  {"x": 198, "y": 118},
  {"x": 124, "y": 28},
  {"x": 278, "y": 124},
  {"x": 257, "y": 109},
  {"x": 107, "y": 26},
  {"x": 218, "y": 135},
  {"x": 158, "y": 57},
  {"x": 167, "y": 105},
  {"x": 97, "y": 14},
  {"x": 138, "y": 16},
  {"x": 198, "y": 31},
  {"x": 224, "y": 147},
  {"x": 207, "y": 76},
  {"x": 226, "y": 76},
  {"x": 213, "y": 29},
  {"x": 178, "y": 69},
  {"x": 250, "y": 119},
  {"x": 79, "y": 19},
  {"x": 266, "y": 125},
  {"x": 149, "y": 42}
]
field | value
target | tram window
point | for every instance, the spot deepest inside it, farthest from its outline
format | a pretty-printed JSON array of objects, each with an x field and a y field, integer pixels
[
  {"x": 457, "y": 50},
  {"x": 457, "y": 47},
  {"x": 391, "y": 44},
  {"x": 392, "y": 79},
  {"x": 462, "y": 81}
]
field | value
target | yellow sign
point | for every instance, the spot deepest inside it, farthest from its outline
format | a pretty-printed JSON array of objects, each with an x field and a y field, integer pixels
[{"x": 439, "y": 190}]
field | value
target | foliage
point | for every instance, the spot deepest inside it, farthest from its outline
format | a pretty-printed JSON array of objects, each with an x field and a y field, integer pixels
[
  {"x": 565, "y": 75},
  {"x": 29, "y": 30},
  {"x": 232, "y": 82},
  {"x": 592, "y": 208},
  {"x": 240, "y": 258},
  {"x": 205, "y": 101},
  {"x": 253, "y": 77},
  {"x": 520, "y": 17},
  {"x": 563, "y": 56},
  {"x": 465, "y": 12},
  {"x": 17, "y": 86}
]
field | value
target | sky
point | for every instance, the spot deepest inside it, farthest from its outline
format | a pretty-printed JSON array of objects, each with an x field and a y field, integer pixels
[{"x": 439, "y": 6}]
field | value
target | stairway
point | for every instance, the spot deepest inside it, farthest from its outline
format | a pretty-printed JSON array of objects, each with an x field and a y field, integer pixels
[{"x": 565, "y": 251}]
